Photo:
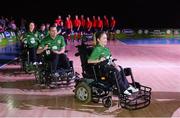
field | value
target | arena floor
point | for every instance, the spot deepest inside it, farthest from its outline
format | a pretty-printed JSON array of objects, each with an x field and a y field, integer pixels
[{"x": 156, "y": 66}]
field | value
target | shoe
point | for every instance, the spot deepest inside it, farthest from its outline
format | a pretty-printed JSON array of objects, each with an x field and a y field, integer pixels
[
  {"x": 133, "y": 89},
  {"x": 126, "y": 92},
  {"x": 35, "y": 63}
]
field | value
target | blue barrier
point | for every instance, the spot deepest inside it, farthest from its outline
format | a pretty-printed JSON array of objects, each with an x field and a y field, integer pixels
[
  {"x": 9, "y": 51},
  {"x": 7, "y": 34}
]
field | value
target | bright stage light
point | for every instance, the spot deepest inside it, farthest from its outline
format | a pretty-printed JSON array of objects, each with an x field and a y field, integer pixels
[
  {"x": 118, "y": 31},
  {"x": 140, "y": 31},
  {"x": 146, "y": 31},
  {"x": 168, "y": 32}
]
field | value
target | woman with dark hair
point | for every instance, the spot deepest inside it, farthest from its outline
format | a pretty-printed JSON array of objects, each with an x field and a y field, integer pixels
[
  {"x": 42, "y": 31},
  {"x": 101, "y": 53},
  {"x": 32, "y": 39}
]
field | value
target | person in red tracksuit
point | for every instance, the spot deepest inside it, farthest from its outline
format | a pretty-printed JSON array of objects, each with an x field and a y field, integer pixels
[
  {"x": 112, "y": 27},
  {"x": 99, "y": 24},
  {"x": 112, "y": 24},
  {"x": 68, "y": 26},
  {"x": 94, "y": 24},
  {"x": 58, "y": 21},
  {"x": 69, "y": 16},
  {"x": 106, "y": 23},
  {"x": 77, "y": 24},
  {"x": 88, "y": 25},
  {"x": 83, "y": 23}
]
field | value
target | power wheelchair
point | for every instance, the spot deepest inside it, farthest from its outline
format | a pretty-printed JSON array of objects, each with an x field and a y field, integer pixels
[
  {"x": 25, "y": 63},
  {"x": 94, "y": 87},
  {"x": 45, "y": 76}
]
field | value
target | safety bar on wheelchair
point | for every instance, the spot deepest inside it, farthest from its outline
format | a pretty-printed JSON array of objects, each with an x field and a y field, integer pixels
[
  {"x": 118, "y": 87},
  {"x": 28, "y": 56},
  {"x": 94, "y": 72}
]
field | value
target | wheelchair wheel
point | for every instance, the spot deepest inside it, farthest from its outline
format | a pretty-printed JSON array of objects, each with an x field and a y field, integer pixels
[
  {"x": 83, "y": 93},
  {"x": 39, "y": 77},
  {"x": 107, "y": 102},
  {"x": 22, "y": 65},
  {"x": 27, "y": 67}
]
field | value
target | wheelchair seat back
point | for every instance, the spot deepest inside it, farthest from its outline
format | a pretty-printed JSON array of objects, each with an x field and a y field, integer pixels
[{"x": 84, "y": 51}]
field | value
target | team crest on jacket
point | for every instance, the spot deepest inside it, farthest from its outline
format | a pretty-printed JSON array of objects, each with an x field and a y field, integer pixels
[
  {"x": 32, "y": 40},
  {"x": 54, "y": 47},
  {"x": 59, "y": 42}
]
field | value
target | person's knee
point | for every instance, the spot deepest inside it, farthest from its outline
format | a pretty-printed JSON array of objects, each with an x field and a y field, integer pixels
[{"x": 63, "y": 57}]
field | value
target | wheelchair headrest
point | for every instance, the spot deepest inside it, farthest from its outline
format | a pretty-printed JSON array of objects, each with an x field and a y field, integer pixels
[{"x": 84, "y": 50}]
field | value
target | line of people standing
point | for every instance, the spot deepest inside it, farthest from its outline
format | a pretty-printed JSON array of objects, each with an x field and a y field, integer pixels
[{"x": 85, "y": 25}]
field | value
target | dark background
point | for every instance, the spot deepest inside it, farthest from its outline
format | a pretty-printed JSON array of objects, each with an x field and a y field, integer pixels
[{"x": 129, "y": 13}]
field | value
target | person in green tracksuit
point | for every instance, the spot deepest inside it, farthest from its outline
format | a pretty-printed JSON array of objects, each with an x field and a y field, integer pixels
[
  {"x": 43, "y": 32},
  {"x": 100, "y": 54},
  {"x": 32, "y": 39},
  {"x": 56, "y": 44}
]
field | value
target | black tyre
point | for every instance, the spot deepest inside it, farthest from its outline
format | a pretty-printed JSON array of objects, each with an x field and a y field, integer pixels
[
  {"x": 83, "y": 93},
  {"x": 27, "y": 67},
  {"x": 107, "y": 102},
  {"x": 39, "y": 77}
]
